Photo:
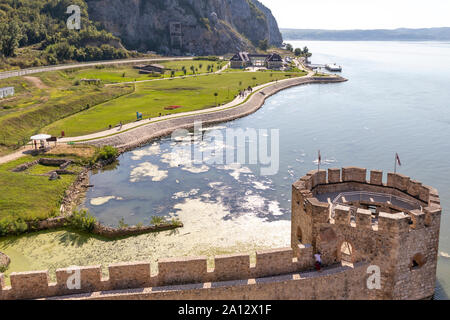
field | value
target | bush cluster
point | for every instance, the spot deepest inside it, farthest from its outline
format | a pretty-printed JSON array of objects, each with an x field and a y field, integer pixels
[
  {"x": 82, "y": 220},
  {"x": 8, "y": 226},
  {"x": 106, "y": 153}
]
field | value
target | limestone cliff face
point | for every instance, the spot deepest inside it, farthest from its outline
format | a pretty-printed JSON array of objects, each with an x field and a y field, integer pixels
[{"x": 207, "y": 26}]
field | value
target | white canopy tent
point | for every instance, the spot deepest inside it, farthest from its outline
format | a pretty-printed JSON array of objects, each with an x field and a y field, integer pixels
[{"x": 42, "y": 138}]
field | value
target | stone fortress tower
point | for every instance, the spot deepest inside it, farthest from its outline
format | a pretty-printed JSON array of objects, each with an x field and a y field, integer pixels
[
  {"x": 357, "y": 225},
  {"x": 394, "y": 226}
]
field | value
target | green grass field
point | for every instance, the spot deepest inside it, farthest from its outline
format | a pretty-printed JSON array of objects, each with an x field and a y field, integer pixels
[
  {"x": 128, "y": 74},
  {"x": 150, "y": 98},
  {"x": 56, "y": 101},
  {"x": 36, "y": 105},
  {"x": 29, "y": 196}
]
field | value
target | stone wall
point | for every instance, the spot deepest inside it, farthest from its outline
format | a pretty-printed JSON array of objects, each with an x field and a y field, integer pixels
[
  {"x": 279, "y": 269},
  {"x": 392, "y": 242},
  {"x": 170, "y": 272},
  {"x": 336, "y": 283}
]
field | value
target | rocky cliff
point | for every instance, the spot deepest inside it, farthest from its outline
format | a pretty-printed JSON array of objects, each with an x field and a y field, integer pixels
[{"x": 201, "y": 27}]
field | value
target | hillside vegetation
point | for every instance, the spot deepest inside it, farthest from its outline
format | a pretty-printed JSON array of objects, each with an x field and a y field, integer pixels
[
  {"x": 45, "y": 98},
  {"x": 34, "y": 33}
]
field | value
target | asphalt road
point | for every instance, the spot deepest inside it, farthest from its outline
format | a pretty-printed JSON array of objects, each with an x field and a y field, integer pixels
[{"x": 23, "y": 72}]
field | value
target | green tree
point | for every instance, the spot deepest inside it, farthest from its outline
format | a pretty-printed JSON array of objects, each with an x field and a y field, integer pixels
[
  {"x": 305, "y": 51},
  {"x": 263, "y": 44},
  {"x": 298, "y": 52},
  {"x": 289, "y": 47},
  {"x": 10, "y": 35}
]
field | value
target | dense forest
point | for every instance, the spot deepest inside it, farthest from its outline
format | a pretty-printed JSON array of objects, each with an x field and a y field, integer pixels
[{"x": 34, "y": 33}]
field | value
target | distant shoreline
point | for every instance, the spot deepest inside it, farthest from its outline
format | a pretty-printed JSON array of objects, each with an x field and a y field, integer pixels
[{"x": 403, "y": 34}]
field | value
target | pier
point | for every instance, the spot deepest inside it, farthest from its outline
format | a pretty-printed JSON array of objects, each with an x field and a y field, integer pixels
[{"x": 330, "y": 67}]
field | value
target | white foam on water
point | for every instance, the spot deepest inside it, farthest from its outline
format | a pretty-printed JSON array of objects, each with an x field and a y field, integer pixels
[
  {"x": 274, "y": 208},
  {"x": 236, "y": 170},
  {"x": 205, "y": 227},
  {"x": 254, "y": 203},
  {"x": 148, "y": 170},
  {"x": 185, "y": 194},
  {"x": 103, "y": 200},
  {"x": 196, "y": 169},
  {"x": 260, "y": 185},
  {"x": 154, "y": 149}
]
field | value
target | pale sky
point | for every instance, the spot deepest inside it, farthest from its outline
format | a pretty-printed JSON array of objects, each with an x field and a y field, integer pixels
[{"x": 360, "y": 14}]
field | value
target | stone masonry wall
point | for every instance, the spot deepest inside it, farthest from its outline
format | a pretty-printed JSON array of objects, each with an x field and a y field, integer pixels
[{"x": 171, "y": 272}]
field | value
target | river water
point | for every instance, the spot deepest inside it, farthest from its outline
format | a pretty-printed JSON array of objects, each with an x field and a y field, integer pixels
[{"x": 397, "y": 100}]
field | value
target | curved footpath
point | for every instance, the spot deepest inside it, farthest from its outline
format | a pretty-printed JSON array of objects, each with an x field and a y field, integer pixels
[{"x": 136, "y": 134}]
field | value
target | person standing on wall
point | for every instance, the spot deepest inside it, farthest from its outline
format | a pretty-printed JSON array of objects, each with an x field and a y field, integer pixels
[{"x": 318, "y": 264}]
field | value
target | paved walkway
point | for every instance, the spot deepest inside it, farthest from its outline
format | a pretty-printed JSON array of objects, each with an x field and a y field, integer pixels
[{"x": 16, "y": 155}]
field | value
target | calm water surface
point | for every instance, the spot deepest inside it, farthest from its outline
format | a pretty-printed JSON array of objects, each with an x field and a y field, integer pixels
[{"x": 397, "y": 100}]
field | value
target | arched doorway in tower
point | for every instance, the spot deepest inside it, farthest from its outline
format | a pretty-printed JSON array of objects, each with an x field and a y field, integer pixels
[{"x": 346, "y": 252}]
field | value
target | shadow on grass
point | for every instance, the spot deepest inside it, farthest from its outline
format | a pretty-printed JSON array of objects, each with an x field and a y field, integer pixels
[{"x": 75, "y": 237}]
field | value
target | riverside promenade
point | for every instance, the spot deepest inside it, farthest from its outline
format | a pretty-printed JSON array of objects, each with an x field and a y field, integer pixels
[
  {"x": 139, "y": 133},
  {"x": 135, "y": 134}
]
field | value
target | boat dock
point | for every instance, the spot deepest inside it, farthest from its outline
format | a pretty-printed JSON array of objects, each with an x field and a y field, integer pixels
[{"x": 330, "y": 67}]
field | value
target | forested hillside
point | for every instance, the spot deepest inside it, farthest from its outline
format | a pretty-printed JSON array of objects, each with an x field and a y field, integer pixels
[{"x": 34, "y": 33}]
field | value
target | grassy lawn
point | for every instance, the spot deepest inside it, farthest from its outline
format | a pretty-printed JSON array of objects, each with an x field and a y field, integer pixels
[
  {"x": 28, "y": 196},
  {"x": 116, "y": 74},
  {"x": 150, "y": 98},
  {"x": 43, "y": 99}
]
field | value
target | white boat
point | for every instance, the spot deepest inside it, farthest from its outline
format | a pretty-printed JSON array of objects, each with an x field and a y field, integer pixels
[{"x": 333, "y": 67}]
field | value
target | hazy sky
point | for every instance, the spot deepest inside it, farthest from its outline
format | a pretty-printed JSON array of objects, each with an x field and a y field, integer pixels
[{"x": 360, "y": 14}]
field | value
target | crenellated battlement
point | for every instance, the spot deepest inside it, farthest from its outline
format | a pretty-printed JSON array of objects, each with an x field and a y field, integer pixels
[
  {"x": 343, "y": 196},
  {"x": 173, "y": 271}
]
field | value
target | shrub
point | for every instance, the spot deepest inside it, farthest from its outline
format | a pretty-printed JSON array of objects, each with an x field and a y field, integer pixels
[
  {"x": 156, "y": 221},
  {"x": 122, "y": 224},
  {"x": 82, "y": 220},
  {"x": 175, "y": 222},
  {"x": 4, "y": 227},
  {"x": 16, "y": 227},
  {"x": 106, "y": 153}
]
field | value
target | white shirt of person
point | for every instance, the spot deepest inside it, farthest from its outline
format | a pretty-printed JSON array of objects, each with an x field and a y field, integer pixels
[{"x": 318, "y": 258}]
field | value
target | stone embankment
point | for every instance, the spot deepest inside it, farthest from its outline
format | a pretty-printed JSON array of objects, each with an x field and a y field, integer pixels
[
  {"x": 141, "y": 135},
  {"x": 102, "y": 230}
]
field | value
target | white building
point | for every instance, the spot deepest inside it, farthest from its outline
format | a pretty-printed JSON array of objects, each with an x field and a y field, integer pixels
[{"x": 6, "y": 92}]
